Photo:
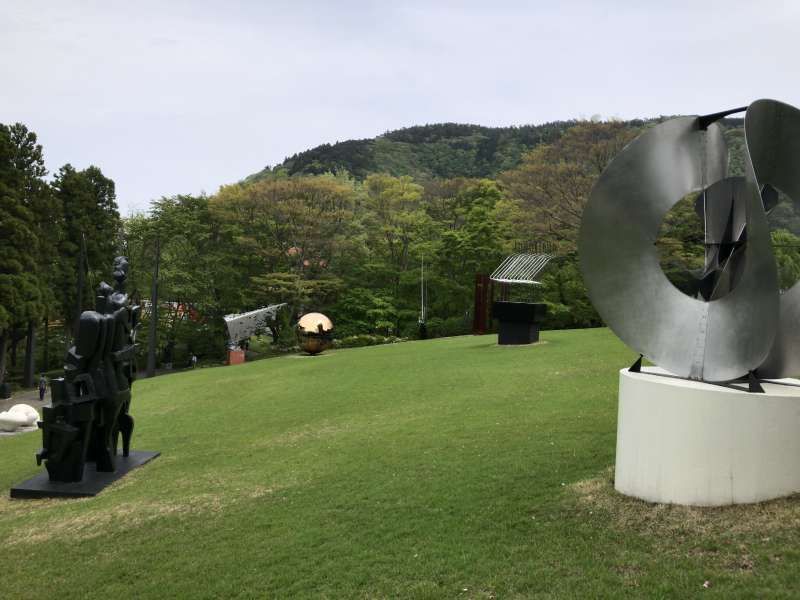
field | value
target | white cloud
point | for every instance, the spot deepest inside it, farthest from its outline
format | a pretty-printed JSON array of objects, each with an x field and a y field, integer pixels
[{"x": 178, "y": 97}]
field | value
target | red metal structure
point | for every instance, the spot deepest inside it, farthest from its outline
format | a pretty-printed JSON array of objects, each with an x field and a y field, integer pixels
[{"x": 481, "y": 319}]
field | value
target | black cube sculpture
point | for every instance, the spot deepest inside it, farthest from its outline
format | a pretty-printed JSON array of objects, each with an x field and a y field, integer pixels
[
  {"x": 518, "y": 322},
  {"x": 91, "y": 403}
]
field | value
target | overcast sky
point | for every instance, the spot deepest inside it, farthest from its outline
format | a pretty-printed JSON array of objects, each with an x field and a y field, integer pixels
[{"x": 171, "y": 97}]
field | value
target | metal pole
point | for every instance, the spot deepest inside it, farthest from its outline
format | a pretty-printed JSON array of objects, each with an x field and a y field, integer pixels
[
  {"x": 151, "y": 342},
  {"x": 30, "y": 349},
  {"x": 422, "y": 289}
]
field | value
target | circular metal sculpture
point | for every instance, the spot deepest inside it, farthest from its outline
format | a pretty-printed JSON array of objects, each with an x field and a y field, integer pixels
[
  {"x": 314, "y": 333},
  {"x": 740, "y": 324}
]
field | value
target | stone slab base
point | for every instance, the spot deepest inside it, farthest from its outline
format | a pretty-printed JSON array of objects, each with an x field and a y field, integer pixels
[
  {"x": 693, "y": 443},
  {"x": 92, "y": 484}
]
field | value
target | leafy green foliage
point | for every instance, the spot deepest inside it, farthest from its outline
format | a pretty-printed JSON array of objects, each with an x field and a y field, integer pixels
[
  {"x": 22, "y": 290},
  {"x": 347, "y": 229},
  {"x": 786, "y": 247},
  {"x": 90, "y": 220}
]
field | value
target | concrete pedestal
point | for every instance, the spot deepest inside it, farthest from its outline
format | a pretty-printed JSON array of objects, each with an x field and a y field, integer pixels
[
  {"x": 235, "y": 357},
  {"x": 688, "y": 442}
]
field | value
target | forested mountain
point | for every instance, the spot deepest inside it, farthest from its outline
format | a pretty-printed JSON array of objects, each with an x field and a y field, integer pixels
[
  {"x": 342, "y": 229},
  {"x": 442, "y": 150},
  {"x": 446, "y": 150}
]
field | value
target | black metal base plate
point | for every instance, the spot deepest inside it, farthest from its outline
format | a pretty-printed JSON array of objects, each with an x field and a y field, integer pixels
[{"x": 93, "y": 482}]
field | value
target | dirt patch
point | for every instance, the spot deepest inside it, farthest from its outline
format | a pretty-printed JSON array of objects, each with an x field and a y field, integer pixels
[
  {"x": 39, "y": 521},
  {"x": 297, "y": 436},
  {"x": 98, "y": 522},
  {"x": 670, "y": 519},
  {"x": 720, "y": 536}
]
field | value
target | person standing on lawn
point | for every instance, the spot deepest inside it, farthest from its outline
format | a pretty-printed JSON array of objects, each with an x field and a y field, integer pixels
[{"x": 42, "y": 387}]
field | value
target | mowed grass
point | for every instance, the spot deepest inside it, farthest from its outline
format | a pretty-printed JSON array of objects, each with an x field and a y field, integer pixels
[{"x": 449, "y": 468}]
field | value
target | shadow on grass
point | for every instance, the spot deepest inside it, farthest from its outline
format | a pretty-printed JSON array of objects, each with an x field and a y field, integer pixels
[{"x": 486, "y": 345}]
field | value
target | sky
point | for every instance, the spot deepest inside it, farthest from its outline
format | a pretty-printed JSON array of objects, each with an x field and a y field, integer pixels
[{"x": 170, "y": 97}]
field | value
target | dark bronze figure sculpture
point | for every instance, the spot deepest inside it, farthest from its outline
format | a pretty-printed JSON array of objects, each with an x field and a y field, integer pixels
[{"x": 91, "y": 402}]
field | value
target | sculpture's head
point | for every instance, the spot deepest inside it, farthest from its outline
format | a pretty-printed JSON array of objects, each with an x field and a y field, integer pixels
[{"x": 120, "y": 269}]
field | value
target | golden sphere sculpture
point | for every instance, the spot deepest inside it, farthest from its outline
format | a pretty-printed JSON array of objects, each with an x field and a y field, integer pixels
[{"x": 314, "y": 333}]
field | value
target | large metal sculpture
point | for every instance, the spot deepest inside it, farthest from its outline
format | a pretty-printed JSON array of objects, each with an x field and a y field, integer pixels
[
  {"x": 314, "y": 333},
  {"x": 242, "y": 326},
  {"x": 740, "y": 323},
  {"x": 518, "y": 322},
  {"x": 91, "y": 403}
]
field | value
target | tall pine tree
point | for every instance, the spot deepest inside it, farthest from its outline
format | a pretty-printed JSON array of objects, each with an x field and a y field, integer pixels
[
  {"x": 20, "y": 289},
  {"x": 92, "y": 230}
]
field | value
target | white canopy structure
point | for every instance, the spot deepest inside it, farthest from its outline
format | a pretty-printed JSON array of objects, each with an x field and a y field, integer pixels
[
  {"x": 244, "y": 325},
  {"x": 521, "y": 268}
]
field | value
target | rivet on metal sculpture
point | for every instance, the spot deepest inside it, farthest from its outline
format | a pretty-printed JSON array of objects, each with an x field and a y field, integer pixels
[
  {"x": 314, "y": 333},
  {"x": 740, "y": 323},
  {"x": 91, "y": 403},
  {"x": 518, "y": 322}
]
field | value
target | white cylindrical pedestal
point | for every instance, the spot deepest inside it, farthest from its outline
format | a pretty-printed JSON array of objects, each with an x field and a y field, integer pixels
[{"x": 688, "y": 442}]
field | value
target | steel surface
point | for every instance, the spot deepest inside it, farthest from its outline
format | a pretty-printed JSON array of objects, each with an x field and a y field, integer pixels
[
  {"x": 772, "y": 131},
  {"x": 242, "y": 326},
  {"x": 718, "y": 340}
]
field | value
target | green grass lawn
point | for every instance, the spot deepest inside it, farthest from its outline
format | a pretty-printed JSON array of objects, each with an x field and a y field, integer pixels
[{"x": 449, "y": 468}]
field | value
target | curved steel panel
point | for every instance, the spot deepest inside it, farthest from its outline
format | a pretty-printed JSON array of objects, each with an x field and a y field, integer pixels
[
  {"x": 772, "y": 132},
  {"x": 715, "y": 341}
]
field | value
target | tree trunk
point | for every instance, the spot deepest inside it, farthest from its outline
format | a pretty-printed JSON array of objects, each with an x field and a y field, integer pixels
[
  {"x": 78, "y": 295},
  {"x": 30, "y": 363},
  {"x": 3, "y": 346},
  {"x": 46, "y": 357},
  {"x": 14, "y": 342}
]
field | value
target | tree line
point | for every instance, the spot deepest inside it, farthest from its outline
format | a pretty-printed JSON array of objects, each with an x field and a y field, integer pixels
[
  {"x": 350, "y": 246},
  {"x": 53, "y": 235}
]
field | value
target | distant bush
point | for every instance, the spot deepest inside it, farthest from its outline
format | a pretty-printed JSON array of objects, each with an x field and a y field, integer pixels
[
  {"x": 355, "y": 341},
  {"x": 448, "y": 327}
]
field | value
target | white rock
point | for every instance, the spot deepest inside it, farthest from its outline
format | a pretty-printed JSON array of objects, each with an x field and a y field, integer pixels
[
  {"x": 12, "y": 421},
  {"x": 25, "y": 409}
]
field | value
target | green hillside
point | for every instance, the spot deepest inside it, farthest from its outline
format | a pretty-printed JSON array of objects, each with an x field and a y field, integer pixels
[
  {"x": 443, "y": 150},
  {"x": 450, "y": 468}
]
